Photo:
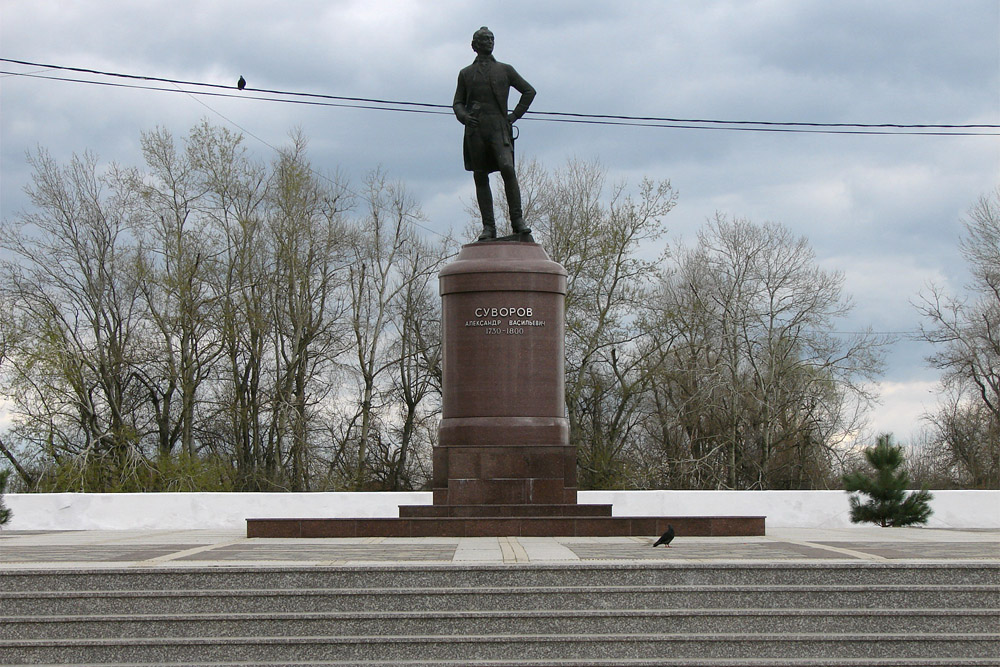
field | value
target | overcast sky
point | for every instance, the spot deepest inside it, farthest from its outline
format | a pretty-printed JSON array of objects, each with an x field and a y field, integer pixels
[{"x": 885, "y": 210}]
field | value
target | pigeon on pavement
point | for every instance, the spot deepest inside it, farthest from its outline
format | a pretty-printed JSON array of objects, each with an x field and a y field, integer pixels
[{"x": 666, "y": 537}]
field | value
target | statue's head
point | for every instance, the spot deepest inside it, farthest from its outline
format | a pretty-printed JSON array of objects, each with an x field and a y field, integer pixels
[{"x": 482, "y": 41}]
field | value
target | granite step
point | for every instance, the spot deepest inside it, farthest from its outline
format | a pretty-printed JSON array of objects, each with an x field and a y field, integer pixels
[
  {"x": 600, "y": 662},
  {"x": 577, "y": 614},
  {"x": 506, "y": 598},
  {"x": 517, "y": 526},
  {"x": 528, "y": 647},
  {"x": 497, "y": 511},
  {"x": 584, "y": 573},
  {"x": 532, "y": 622}
]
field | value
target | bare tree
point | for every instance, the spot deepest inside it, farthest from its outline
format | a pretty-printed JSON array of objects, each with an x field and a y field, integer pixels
[
  {"x": 761, "y": 389},
  {"x": 213, "y": 317},
  {"x": 600, "y": 237},
  {"x": 307, "y": 230},
  {"x": 380, "y": 244},
  {"x": 962, "y": 443},
  {"x": 242, "y": 266},
  {"x": 966, "y": 332},
  {"x": 416, "y": 385},
  {"x": 72, "y": 347},
  {"x": 176, "y": 291},
  {"x": 687, "y": 442},
  {"x": 6, "y": 326}
]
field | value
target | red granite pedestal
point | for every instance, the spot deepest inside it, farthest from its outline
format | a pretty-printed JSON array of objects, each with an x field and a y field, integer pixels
[{"x": 503, "y": 465}]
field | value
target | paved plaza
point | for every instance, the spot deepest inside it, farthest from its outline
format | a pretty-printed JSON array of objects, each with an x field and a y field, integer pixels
[{"x": 201, "y": 548}]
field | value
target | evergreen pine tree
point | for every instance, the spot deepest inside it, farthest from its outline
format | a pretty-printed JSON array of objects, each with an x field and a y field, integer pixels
[
  {"x": 5, "y": 513},
  {"x": 888, "y": 504}
]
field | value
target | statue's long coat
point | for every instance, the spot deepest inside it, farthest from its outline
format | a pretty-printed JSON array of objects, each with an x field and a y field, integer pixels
[{"x": 490, "y": 144}]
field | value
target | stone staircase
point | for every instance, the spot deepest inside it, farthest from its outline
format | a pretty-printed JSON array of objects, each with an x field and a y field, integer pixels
[{"x": 548, "y": 614}]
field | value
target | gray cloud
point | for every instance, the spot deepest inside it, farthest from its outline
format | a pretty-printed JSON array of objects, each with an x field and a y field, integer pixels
[{"x": 885, "y": 210}]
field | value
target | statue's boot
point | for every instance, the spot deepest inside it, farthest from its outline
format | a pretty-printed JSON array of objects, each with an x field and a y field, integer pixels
[
  {"x": 516, "y": 215},
  {"x": 489, "y": 232},
  {"x": 517, "y": 224},
  {"x": 485, "y": 197}
]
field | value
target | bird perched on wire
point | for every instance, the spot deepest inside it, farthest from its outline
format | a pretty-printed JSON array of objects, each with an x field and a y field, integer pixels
[
  {"x": 666, "y": 537},
  {"x": 241, "y": 84}
]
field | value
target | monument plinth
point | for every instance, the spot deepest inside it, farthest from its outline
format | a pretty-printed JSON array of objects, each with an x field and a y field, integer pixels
[
  {"x": 504, "y": 436},
  {"x": 503, "y": 465}
]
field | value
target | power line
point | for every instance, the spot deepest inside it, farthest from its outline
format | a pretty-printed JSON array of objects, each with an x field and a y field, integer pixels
[
  {"x": 218, "y": 85},
  {"x": 576, "y": 120},
  {"x": 764, "y": 122},
  {"x": 212, "y": 94},
  {"x": 793, "y": 130},
  {"x": 550, "y": 116}
]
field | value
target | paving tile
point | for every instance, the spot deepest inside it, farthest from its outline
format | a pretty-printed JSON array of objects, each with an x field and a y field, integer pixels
[
  {"x": 478, "y": 549},
  {"x": 88, "y": 553},
  {"x": 188, "y": 548},
  {"x": 700, "y": 549},
  {"x": 331, "y": 551},
  {"x": 922, "y": 550},
  {"x": 546, "y": 549}
]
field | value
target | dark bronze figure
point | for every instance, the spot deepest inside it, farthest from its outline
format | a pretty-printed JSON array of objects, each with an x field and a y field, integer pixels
[{"x": 481, "y": 105}]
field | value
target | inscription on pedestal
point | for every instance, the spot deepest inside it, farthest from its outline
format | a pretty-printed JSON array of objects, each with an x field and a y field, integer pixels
[{"x": 496, "y": 321}]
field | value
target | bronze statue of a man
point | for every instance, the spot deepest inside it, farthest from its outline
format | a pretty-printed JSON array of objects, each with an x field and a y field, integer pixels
[{"x": 481, "y": 105}]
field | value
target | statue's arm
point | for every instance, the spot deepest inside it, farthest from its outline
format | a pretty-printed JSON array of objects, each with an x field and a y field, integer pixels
[
  {"x": 459, "y": 104},
  {"x": 527, "y": 94}
]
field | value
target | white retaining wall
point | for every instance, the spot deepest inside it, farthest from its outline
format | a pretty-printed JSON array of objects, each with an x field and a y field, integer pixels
[
  {"x": 173, "y": 511},
  {"x": 794, "y": 509}
]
